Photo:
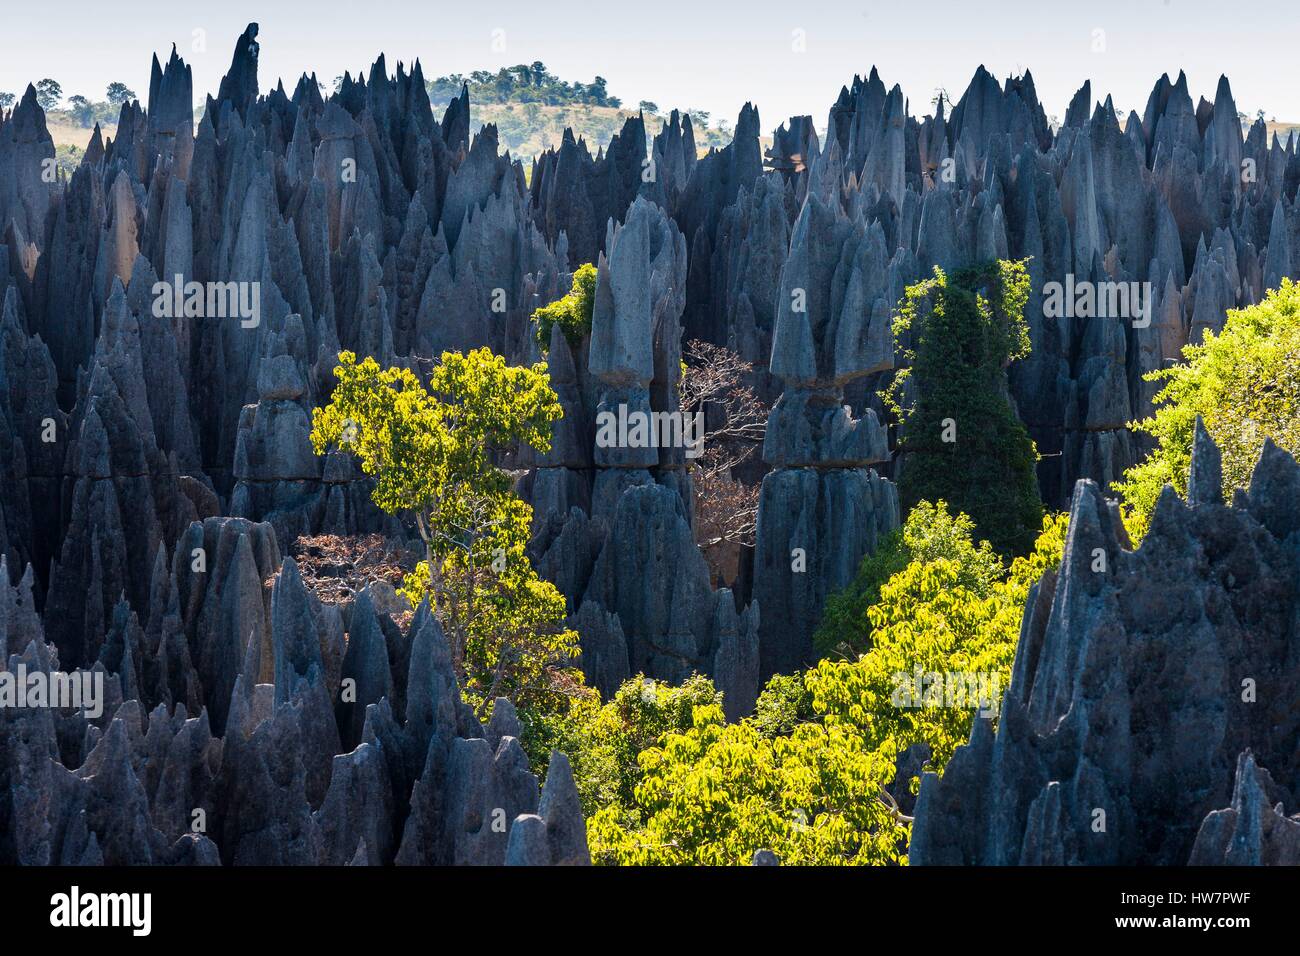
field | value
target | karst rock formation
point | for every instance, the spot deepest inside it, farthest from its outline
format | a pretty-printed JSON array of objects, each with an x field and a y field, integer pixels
[
  {"x": 155, "y": 465},
  {"x": 1151, "y": 716}
]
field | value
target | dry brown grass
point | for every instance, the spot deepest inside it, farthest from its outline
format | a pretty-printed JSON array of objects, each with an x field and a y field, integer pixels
[{"x": 69, "y": 134}]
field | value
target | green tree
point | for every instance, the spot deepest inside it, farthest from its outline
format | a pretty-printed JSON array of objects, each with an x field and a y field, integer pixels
[
  {"x": 7, "y": 101},
  {"x": 939, "y": 616},
  {"x": 431, "y": 454},
  {"x": 807, "y": 776},
  {"x": 784, "y": 704},
  {"x": 83, "y": 111},
  {"x": 1244, "y": 383},
  {"x": 648, "y": 106},
  {"x": 572, "y": 311},
  {"x": 929, "y": 534},
  {"x": 119, "y": 93},
  {"x": 719, "y": 792},
  {"x": 48, "y": 94},
  {"x": 961, "y": 440},
  {"x": 504, "y": 84},
  {"x": 603, "y": 741}
]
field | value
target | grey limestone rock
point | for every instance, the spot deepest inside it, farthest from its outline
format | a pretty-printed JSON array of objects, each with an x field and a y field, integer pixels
[
  {"x": 556, "y": 834},
  {"x": 1254, "y": 829},
  {"x": 1126, "y": 701},
  {"x": 154, "y": 467}
]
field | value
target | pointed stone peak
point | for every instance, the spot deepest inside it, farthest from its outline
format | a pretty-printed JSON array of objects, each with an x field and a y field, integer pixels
[
  {"x": 1205, "y": 480},
  {"x": 94, "y": 149},
  {"x": 239, "y": 85}
]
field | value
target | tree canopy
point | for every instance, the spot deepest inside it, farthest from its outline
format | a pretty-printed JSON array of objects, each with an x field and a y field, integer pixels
[
  {"x": 604, "y": 740},
  {"x": 1244, "y": 383},
  {"x": 119, "y": 93},
  {"x": 431, "y": 455},
  {"x": 960, "y": 440},
  {"x": 521, "y": 83},
  {"x": 572, "y": 311},
  {"x": 48, "y": 94},
  {"x": 941, "y": 617},
  {"x": 810, "y": 775},
  {"x": 930, "y": 534}
]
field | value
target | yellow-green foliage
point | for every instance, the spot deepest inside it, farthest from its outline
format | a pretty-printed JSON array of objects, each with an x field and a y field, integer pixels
[
  {"x": 718, "y": 792},
  {"x": 784, "y": 704},
  {"x": 806, "y": 776},
  {"x": 930, "y": 533},
  {"x": 936, "y": 616},
  {"x": 1245, "y": 385},
  {"x": 430, "y": 452},
  {"x": 428, "y": 448},
  {"x": 572, "y": 311},
  {"x": 602, "y": 741}
]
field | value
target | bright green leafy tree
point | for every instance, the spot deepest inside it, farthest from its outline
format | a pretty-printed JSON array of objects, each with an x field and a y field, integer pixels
[
  {"x": 929, "y": 534},
  {"x": 572, "y": 311},
  {"x": 806, "y": 777},
  {"x": 603, "y": 740},
  {"x": 1244, "y": 382},
  {"x": 719, "y": 792},
  {"x": 940, "y": 616},
  {"x": 784, "y": 704},
  {"x": 961, "y": 440},
  {"x": 431, "y": 455}
]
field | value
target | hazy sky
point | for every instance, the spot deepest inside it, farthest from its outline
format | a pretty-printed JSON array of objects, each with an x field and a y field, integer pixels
[{"x": 709, "y": 54}]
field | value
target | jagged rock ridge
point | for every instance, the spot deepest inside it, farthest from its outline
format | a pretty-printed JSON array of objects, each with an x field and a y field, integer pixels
[{"x": 1151, "y": 714}]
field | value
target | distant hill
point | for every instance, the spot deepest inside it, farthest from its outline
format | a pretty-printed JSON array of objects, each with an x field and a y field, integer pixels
[
  {"x": 528, "y": 129},
  {"x": 1283, "y": 130},
  {"x": 71, "y": 138},
  {"x": 531, "y": 108}
]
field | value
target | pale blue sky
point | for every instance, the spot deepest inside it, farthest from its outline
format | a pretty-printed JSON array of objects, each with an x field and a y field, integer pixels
[{"x": 710, "y": 54}]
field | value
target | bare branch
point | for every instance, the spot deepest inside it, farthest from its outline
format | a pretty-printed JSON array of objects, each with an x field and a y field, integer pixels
[{"x": 718, "y": 382}]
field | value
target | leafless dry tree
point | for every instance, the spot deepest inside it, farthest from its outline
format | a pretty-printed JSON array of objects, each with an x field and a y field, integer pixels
[{"x": 717, "y": 383}]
